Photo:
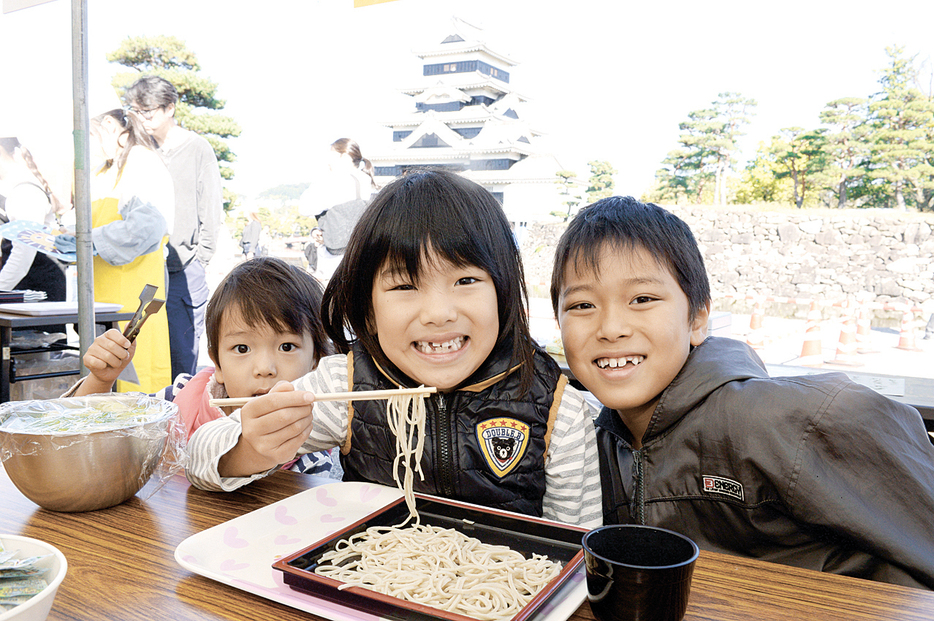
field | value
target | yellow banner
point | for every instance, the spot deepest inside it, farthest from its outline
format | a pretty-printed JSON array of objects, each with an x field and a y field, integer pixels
[{"x": 359, "y": 3}]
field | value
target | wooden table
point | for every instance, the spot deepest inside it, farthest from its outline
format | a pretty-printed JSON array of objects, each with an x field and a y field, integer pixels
[{"x": 122, "y": 566}]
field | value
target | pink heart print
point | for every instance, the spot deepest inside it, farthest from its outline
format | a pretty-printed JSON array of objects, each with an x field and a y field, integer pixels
[
  {"x": 285, "y": 540},
  {"x": 232, "y": 540},
  {"x": 368, "y": 493},
  {"x": 283, "y": 517},
  {"x": 232, "y": 565},
  {"x": 323, "y": 498},
  {"x": 327, "y": 517}
]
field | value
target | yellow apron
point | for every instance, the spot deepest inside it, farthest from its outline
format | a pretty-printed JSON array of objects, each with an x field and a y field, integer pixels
[{"x": 122, "y": 284}]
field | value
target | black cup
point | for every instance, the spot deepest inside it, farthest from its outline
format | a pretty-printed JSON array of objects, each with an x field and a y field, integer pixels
[{"x": 638, "y": 573}]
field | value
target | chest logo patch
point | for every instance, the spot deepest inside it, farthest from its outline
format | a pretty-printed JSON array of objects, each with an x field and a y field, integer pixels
[
  {"x": 725, "y": 487},
  {"x": 503, "y": 442}
]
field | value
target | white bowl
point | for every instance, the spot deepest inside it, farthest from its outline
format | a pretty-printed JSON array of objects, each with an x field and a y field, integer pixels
[{"x": 38, "y": 606}]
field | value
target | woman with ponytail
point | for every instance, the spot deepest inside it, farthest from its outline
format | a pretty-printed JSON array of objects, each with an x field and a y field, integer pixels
[
  {"x": 337, "y": 200},
  {"x": 132, "y": 212},
  {"x": 26, "y": 195}
]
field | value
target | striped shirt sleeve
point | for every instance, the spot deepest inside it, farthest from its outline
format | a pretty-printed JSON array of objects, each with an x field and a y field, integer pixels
[
  {"x": 213, "y": 440},
  {"x": 572, "y": 469}
]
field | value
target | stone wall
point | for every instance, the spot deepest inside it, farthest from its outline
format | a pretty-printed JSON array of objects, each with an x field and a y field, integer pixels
[{"x": 830, "y": 256}]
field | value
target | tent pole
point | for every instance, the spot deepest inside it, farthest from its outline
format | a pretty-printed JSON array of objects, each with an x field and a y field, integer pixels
[{"x": 79, "y": 79}]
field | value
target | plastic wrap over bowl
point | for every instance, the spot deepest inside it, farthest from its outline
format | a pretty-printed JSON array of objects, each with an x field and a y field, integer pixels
[{"x": 85, "y": 453}]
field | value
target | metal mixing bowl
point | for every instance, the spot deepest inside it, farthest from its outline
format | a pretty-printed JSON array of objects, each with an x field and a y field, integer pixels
[{"x": 83, "y": 453}]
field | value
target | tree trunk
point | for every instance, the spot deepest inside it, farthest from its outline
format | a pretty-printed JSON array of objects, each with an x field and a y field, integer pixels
[
  {"x": 899, "y": 197},
  {"x": 841, "y": 193},
  {"x": 794, "y": 185}
]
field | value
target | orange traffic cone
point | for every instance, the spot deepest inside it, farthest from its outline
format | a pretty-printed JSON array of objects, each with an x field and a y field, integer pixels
[
  {"x": 846, "y": 348},
  {"x": 811, "y": 349},
  {"x": 864, "y": 330},
  {"x": 906, "y": 335},
  {"x": 756, "y": 336}
]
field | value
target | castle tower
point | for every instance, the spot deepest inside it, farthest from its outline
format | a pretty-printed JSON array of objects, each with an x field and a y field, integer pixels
[{"x": 467, "y": 119}]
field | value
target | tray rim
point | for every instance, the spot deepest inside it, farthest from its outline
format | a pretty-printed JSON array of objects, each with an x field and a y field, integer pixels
[{"x": 570, "y": 567}]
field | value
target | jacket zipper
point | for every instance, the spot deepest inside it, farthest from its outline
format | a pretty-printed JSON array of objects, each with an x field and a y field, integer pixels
[
  {"x": 638, "y": 473},
  {"x": 443, "y": 450}
]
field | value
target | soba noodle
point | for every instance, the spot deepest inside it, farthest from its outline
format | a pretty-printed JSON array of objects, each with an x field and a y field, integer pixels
[{"x": 438, "y": 567}]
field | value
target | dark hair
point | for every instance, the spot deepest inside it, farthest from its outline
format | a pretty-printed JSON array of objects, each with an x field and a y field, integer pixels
[
  {"x": 133, "y": 130},
  {"x": 453, "y": 217},
  {"x": 625, "y": 223},
  {"x": 151, "y": 91},
  {"x": 350, "y": 147},
  {"x": 269, "y": 291}
]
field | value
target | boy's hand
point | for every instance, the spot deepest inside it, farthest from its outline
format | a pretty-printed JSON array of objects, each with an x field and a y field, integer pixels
[
  {"x": 274, "y": 427},
  {"x": 106, "y": 358}
]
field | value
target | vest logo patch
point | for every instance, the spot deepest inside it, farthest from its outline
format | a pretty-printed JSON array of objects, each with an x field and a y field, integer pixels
[
  {"x": 726, "y": 487},
  {"x": 503, "y": 442}
]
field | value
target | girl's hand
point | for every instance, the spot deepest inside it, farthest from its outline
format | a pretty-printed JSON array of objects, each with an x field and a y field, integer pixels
[
  {"x": 106, "y": 358},
  {"x": 274, "y": 427}
]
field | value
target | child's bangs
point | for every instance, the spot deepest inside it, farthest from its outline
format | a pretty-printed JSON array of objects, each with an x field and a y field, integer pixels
[
  {"x": 271, "y": 308},
  {"x": 427, "y": 236}
]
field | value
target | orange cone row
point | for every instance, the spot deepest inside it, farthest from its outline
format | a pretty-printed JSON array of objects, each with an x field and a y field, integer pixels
[
  {"x": 756, "y": 337},
  {"x": 811, "y": 349},
  {"x": 906, "y": 335},
  {"x": 846, "y": 348}
]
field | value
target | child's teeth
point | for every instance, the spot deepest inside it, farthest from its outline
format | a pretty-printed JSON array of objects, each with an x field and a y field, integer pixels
[
  {"x": 615, "y": 363},
  {"x": 452, "y": 345}
]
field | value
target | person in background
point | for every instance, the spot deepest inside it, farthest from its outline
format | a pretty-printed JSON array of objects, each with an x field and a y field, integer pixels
[
  {"x": 432, "y": 290},
  {"x": 814, "y": 471},
  {"x": 263, "y": 326},
  {"x": 311, "y": 249},
  {"x": 249, "y": 238},
  {"x": 132, "y": 213},
  {"x": 26, "y": 195},
  {"x": 337, "y": 200},
  {"x": 199, "y": 206}
]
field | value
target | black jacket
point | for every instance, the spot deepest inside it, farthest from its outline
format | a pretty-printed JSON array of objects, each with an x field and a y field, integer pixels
[
  {"x": 485, "y": 442},
  {"x": 814, "y": 471}
]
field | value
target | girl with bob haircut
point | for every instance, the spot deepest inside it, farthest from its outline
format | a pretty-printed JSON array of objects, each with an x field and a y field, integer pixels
[{"x": 430, "y": 292}]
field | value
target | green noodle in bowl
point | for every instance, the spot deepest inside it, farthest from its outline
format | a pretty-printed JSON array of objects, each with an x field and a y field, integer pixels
[{"x": 84, "y": 453}]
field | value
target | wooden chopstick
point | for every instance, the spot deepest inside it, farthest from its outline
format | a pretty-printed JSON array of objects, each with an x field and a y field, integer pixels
[{"x": 358, "y": 395}]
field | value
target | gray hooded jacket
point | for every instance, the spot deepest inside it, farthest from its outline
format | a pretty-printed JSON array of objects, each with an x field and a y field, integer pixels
[{"x": 813, "y": 471}]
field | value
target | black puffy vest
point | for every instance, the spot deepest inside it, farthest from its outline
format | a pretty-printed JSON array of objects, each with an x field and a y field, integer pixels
[{"x": 485, "y": 443}]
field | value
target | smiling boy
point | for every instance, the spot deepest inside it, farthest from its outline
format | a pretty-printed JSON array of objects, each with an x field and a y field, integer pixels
[{"x": 813, "y": 471}]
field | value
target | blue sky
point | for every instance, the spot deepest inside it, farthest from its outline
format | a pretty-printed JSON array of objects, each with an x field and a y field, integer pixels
[{"x": 606, "y": 79}]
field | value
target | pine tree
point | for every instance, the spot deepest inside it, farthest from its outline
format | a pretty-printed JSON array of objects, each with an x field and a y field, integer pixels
[
  {"x": 169, "y": 58},
  {"x": 902, "y": 138}
]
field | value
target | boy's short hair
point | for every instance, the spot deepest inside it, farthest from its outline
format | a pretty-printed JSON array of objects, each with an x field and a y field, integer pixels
[
  {"x": 151, "y": 91},
  {"x": 269, "y": 291},
  {"x": 625, "y": 223}
]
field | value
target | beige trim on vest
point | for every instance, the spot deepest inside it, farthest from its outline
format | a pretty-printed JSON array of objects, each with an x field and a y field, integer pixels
[
  {"x": 345, "y": 448},
  {"x": 553, "y": 412}
]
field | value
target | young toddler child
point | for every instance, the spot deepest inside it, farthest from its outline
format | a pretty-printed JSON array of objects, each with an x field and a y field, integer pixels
[
  {"x": 814, "y": 471},
  {"x": 263, "y": 326},
  {"x": 430, "y": 292}
]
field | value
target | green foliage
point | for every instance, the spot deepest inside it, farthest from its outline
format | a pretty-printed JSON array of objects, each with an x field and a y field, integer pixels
[
  {"x": 847, "y": 145},
  {"x": 568, "y": 187},
  {"x": 799, "y": 156},
  {"x": 600, "y": 184},
  {"x": 760, "y": 182},
  {"x": 902, "y": 140},
  {"x": 706, "y": 154},
  {"x": 278, "y": 222},
  {"x": 870, "y": 152},
  {"x": 170, "y": 58}
]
